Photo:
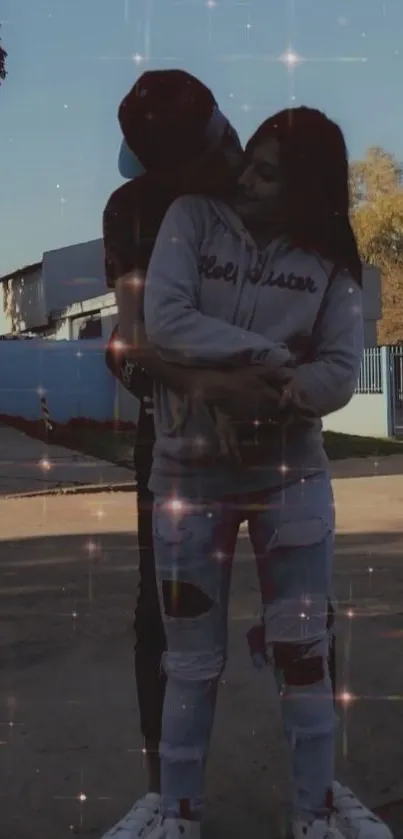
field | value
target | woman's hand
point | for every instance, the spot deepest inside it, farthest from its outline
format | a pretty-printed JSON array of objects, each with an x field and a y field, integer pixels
[
  {"x": 218, "y": 385},
  {"x": 241, "y": 394},
  {"x": 227, "y": 436},
  {"x": 294, "y": 399}
]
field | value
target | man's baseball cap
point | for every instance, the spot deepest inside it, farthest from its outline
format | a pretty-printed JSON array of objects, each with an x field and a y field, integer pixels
[
  {"x": 128, "y": 164},
  {"x": 168, "y": 119}
]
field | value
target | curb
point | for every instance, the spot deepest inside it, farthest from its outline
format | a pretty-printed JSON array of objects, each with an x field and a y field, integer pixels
[{"x": 80, "y": 489}]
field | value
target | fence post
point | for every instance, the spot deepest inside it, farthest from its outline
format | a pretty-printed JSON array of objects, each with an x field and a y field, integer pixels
[
  {"x": 47, "y": 421},
  {"x": 388, "y": 389}
]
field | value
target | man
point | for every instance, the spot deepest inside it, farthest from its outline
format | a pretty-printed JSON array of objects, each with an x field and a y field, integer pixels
[{"x": 172, "y": 122}]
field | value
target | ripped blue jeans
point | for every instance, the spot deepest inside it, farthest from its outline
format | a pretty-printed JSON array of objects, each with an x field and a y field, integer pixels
[{"x": 291, "y": 531}]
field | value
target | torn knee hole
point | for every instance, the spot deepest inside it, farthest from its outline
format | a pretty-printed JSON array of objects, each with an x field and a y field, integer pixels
[
  {"x": 184, "y": 600},
  {"x": 299, "y": 669}
]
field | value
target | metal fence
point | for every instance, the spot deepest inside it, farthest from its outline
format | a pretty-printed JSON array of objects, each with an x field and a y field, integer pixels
[
  {"x": 371, "y": 377},
  {"x": 396, "y": 354},
  {"x": 396, "y": 395}
]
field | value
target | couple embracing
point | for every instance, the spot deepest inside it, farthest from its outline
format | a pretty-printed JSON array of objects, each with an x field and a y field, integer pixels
[{"x": 240, "y": 326}]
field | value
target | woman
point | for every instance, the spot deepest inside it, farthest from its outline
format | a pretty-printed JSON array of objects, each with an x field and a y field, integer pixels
[{"x": 241, "y": 283}]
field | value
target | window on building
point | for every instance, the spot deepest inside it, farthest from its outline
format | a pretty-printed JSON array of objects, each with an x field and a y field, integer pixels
[{"x": 87, "y": 326}]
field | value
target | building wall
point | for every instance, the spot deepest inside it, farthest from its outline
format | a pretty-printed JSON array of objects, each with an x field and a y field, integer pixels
[
  {"x": 23, "y": 305},
  {"x": 370, "y": 333},
  {"x": 372, "y": 303},
  {"x": 372, "y": 293},
  {"x": 61, "y": 331},
  {"x": 73, "y": 274},
  {"x": 370, "y": 413},
  {"x": 72, "y": 283},
  {"x": 366, "y": 416},
  {"x": 71, "y": 375},
  {"x": 126, "y": 407}
]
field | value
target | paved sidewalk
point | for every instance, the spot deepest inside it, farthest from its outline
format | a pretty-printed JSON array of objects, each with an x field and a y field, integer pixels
[
  {"x": 367, "y": 467},
  {"x": 27, "y": 466},
  {"x": 70, "y": 750}
]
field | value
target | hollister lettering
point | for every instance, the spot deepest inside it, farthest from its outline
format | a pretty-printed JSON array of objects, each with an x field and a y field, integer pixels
[
  {"x": 291, "y": 281},
  {"x": 212, "y": 270}
]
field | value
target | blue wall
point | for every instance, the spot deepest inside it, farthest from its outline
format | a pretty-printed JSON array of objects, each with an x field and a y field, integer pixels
[
  {"x": 73, "y": 377},
  {"x": 72, "y": 374}
]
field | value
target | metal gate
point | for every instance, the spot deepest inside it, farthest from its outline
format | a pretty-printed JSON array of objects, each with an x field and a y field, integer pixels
[{"x": 396, "y": 388}]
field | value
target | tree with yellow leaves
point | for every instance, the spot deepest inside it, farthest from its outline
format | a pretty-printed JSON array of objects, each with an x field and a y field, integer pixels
[{"x": 377, "y": 201}]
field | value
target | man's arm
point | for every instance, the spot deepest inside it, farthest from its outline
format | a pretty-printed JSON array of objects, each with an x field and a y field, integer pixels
[
  {"x": 227, "y": 387},
  {"x": 137, "y": 348},
  {"x": 173, "y": 322},
  {"x": 135, "y": 354},
  {"x": 130, "y": 374},
  {"x": 123, "y": 249}
]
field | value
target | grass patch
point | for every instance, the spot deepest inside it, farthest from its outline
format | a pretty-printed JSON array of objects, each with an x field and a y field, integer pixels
[
  {"x": 342, "y": 446},
  {"x": 113, "y": 445},
  {"x": 116, "y": 444},
  {"x": 101, "y": 440},
  {"x": 110, "y": 444}
]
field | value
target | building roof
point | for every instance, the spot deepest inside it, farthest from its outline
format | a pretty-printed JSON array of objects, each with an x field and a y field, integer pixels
[{"x": 22, "y": 272}]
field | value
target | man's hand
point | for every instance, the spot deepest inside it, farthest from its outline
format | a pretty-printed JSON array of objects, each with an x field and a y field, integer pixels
[
  {"x": 294, "y": 399},
  {"x": 238, "y": 390},
  {"x": 227, "y": 436}
]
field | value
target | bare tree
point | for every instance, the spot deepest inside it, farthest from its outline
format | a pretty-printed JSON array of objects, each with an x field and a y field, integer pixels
[{"x": 3, "y": 56}]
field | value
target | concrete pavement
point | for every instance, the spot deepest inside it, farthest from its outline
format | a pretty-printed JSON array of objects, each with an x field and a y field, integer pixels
[
  {"x": 70, "y": 750},
  {"x": 27, "y": 466}
]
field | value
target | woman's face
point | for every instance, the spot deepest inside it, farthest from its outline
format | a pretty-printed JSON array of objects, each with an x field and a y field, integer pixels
[
  {"x": 218, "y": 168},
  {"x": 261, "y": 184}
]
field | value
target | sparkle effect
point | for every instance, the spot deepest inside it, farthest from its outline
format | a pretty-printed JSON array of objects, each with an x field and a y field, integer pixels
[{"x": 77, "y": 607}]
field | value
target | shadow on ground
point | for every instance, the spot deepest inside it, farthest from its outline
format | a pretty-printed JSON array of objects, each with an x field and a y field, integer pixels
[{"x": 70, "y": 751}]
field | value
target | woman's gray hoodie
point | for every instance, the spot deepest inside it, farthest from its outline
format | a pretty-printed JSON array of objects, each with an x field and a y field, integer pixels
[{"x": 213, "y": 298}]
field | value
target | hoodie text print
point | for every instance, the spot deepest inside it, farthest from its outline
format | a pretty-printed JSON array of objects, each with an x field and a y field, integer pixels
[{"x": 213, "y": 298}]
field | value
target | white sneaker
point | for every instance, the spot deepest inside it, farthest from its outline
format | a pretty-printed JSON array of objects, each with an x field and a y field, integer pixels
[
  {"x": 319, "y": 829},
  {"x": 354, "y": 819},
  {"x": 179, "y": 829},
  {"x": 141, "y": 822}
]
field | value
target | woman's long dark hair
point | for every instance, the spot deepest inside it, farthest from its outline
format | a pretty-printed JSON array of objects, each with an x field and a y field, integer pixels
[{"x": 314, "y": 162}]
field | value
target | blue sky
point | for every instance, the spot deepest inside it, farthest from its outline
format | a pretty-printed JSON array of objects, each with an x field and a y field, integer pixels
[{"x": 71, "y": 62}]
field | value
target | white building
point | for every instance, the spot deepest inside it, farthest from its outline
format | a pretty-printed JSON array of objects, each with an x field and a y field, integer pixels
[
  {"x": 22, "y": 301},
  {"x": 73, "y": 274},
  {"x": 37, "y": 297},
  {"x": 65, "y": 296}
]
